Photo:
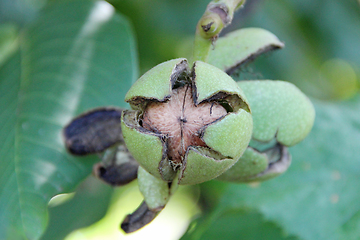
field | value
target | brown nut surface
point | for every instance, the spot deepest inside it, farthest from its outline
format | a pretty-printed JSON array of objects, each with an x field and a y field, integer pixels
[{"x": 181, "y": 120}]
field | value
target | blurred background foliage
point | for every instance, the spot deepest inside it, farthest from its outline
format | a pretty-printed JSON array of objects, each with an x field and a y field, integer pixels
[
  {"x": 318, "y": 198},
  {"x": 321, "y": 37}
]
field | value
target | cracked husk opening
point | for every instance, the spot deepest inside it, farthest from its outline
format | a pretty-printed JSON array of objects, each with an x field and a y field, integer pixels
[{"x": 181, "y": 121}]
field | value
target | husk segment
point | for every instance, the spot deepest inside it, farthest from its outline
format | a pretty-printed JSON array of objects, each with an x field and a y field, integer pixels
[{"x": 283, "y": 116}]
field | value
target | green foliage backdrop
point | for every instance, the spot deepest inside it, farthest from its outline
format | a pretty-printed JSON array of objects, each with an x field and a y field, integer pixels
[
  {"x": 69, "y": 59},
  {"x": 59, "y": 58}
]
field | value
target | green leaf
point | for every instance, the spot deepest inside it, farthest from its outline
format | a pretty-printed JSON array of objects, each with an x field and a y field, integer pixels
[
  {"x": 9, "y": 195},
  {"x": 241, "y": 46},
  {"x": 237, "y": 224},
  {"x": 77, "y": 55},
  {"x": 8, "y": 41},
  {"x": 19, "y": 11},
  {"x": 318, "y": 198},
  {"x": 89, "y": 205}
]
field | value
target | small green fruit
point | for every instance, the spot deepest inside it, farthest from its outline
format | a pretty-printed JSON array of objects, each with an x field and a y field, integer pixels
[
  {"x": 197, "y": 121},
  {"x": 283, "y": 116}
]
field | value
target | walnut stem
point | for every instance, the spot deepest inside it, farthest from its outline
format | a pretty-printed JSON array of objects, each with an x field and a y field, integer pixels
[{"x": 217, "y": 16}]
